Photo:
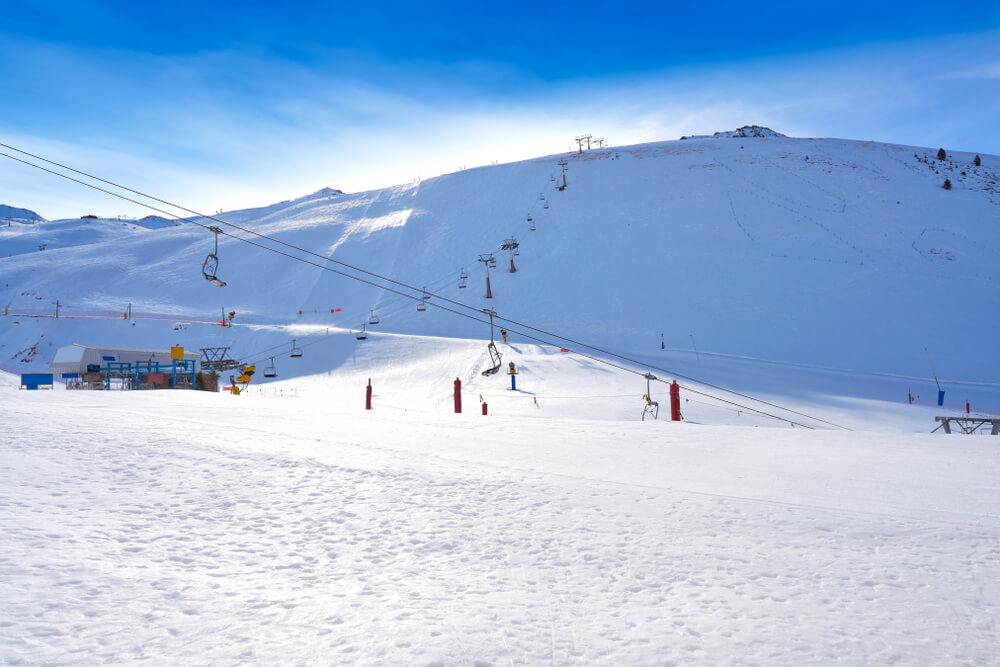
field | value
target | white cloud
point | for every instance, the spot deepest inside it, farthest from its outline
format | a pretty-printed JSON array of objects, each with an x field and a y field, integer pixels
[{"x": 221, "y": 130}]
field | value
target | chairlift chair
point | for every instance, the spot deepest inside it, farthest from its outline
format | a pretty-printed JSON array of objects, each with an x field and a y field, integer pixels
[
  {"x": 422, "y": 306},
  {"x": 495, "y": 358},
  {"x": 541, "y": 196},
  {"x": 363, "y": 334},
  {"x": 270, "y": 371},
  {"x": 651, "y": 408},
  {"x": 373, "y": 319},
  {"x": 211, "y": 264},
  {"x": 296, "y": 351},
  {"x": 546, "y": 204}
]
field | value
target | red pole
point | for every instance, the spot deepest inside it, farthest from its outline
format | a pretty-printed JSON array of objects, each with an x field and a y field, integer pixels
[
  {"x": 675, "y": 402},
  {"x": 458, "y": 396},
  {"x": 484, "y": 408},
  {"x": 368, "y": 395},
  {"x": 967, "y": 410}
]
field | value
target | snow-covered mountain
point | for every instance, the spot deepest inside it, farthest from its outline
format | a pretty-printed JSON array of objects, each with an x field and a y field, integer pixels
[
  {"x": 291, "y": 524},
  {"x": 10, "y": 214},
  {"x": 820, "y": 252}
]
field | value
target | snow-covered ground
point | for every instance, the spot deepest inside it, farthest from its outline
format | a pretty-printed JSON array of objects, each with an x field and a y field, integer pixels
[
  {"x": 289, "y": 525},
  {"x": 809, "y": 518},
  {"x": 843, "y": 253},
  {"x": 181, "y": 527}
]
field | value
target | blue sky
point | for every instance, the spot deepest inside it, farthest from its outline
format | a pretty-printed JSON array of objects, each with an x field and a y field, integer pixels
[{"x": 229, "y": 105}]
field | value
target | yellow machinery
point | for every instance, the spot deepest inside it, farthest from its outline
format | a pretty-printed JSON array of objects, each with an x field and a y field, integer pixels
[{"x": 240, "y": 383}]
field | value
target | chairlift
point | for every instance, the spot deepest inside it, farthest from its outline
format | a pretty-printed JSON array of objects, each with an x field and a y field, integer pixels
[
  {"x": 422, "y": 306},
  {"x": 372, "y": 319},
  {"x": 463, "y": 276},
  {"x": 546, "y": 204},
  {"x": 495, "y": 358},
  {"x": 532, "y": 221},
  {"x": 296, "y": 351},
  {"x": 541, "y": 196},
  {"x": 493, "y": 263},
  {"x": 270, "y": 372},
  {"x": 651, "y": 408},
  {"x": 211, "y": 264},
  {"x": 363, "y": 334}
]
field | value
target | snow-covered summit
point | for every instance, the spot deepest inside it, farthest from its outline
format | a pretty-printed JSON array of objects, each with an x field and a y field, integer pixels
[
  {"x": 8, "y": 213},
  {"x": 747, "y": 131},
  {"x": 809, "y": 251}
]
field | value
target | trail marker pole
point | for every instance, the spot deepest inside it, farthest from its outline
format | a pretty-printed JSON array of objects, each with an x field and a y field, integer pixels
[
  {"x": 458, "y": 396},
  {"x": 368, "y": 395},
  {"x": 675, "y": 401},
  {"x": 934, "y": 373}
]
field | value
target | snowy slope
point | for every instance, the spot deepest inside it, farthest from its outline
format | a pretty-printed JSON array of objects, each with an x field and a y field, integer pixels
[
  {"x": 290, "y": 525},
  {"x": 11, "y": 213},
  {"x": 842, "y": 254},
  {"x": 184, "y": 528}
]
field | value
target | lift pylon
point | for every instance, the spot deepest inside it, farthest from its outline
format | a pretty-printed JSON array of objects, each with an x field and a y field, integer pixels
[{"x": 488, "y": 260}]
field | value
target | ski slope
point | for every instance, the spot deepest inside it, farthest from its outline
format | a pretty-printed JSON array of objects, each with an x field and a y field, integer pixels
[
  {"x": 291, "y": 526},
  {"x": 809, "y": 519},
  {"x": 828, "y": 252}
]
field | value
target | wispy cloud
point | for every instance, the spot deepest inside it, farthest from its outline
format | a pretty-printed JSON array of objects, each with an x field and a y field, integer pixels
[{"x": 224, "y": 129}]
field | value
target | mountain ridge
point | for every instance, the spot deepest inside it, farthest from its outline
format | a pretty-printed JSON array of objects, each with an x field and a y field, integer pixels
[{"x": 820, "y": 251}]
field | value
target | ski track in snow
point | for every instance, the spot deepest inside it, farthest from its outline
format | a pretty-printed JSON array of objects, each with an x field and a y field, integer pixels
[{"x": 191, "y": 539}]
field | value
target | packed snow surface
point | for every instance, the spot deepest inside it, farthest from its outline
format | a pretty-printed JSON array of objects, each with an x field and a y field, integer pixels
[
  {"x": 810, "y": 518},
  {"x": 295, "y": 527},
  {"x": 847, "y": 254}
]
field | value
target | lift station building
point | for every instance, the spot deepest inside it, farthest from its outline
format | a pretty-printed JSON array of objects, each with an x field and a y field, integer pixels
[
  {"x": 100, "y": 367},
  {"x": 80, "y": 359}
]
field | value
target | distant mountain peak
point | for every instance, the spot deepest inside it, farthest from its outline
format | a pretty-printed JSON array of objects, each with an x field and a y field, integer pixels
[
  {"x": 19, "y": 214},
  {"x": 326, "y": 192},
  {"x": 747, "y": 131}
]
